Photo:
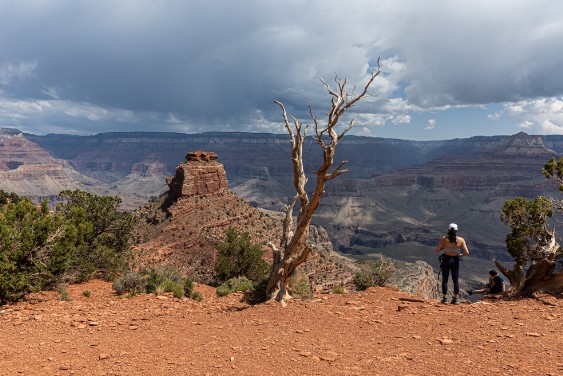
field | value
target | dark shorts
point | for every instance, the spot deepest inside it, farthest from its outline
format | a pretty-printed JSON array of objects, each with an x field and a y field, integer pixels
[{"x": 494, "y": 289}]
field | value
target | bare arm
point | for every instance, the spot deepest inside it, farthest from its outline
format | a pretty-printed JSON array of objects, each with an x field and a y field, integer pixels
[
  {"x": 464, "y": 247},
  {"x": 440, "y": 245}
]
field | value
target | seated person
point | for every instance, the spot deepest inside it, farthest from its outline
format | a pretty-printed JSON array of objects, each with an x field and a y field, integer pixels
[{"x": 495, "y": 285}]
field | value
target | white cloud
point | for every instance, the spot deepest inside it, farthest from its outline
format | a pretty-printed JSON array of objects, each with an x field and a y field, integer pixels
[
  {"x": 400, "y": 119},
  {"x": 431, "y": 124},
  {"x": 542, "y": 116},
  {"x": 367, "y": 119},
  {"x": 22, "y": 114},
  {"x": 94, "y": 113},
  {"x": 10, "y": 72},
  {"x": 51, "y": 92},
  {"x": 365, "y": 131}
]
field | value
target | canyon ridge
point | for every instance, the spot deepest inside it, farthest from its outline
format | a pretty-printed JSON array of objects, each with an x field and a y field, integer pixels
[{"x": 396, "y": 200}]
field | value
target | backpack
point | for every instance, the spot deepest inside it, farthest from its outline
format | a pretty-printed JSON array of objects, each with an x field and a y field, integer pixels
[{"x": 441, "y": 259}]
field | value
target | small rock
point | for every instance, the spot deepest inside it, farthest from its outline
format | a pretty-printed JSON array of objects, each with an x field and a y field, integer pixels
[
  {"x": 329, "y": 356},
  {"x": 446, "y": 341},
  {"x": 64, "y": 367},
  {"x": 532, "y": 334},
  {"x": 352, "y": 302},
  {"x": 360, "y": 308},
  {"x": 133, "y": 327},
  {"x": 104, "y": 356}
]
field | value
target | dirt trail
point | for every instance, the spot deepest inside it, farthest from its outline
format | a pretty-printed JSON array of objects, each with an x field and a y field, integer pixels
[{"x": 377, "y": 332}]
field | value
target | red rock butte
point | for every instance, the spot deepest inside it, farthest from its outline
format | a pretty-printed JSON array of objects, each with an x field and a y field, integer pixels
[{"x": 200, "y": 174}]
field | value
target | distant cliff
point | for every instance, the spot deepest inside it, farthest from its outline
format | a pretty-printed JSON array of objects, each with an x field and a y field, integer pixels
[{"x": 396, "y": 189}]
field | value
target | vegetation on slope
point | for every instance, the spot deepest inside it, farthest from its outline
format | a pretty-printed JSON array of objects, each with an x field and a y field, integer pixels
[{"x": 40, "y": 248}]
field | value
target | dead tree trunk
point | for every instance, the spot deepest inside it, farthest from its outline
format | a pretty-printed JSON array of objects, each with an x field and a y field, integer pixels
[
  {"x": 293, "y": 250},
  {"x": 540, "y": 276}
]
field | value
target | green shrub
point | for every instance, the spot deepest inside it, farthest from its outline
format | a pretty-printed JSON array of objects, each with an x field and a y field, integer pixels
[
  {"x": 64, "y": 295},
  {"x": 338, "y": 289},
  {"x": 223, "y": 290},
  {"x": 155, "y": 281},
  {"x": 196, "y": 295},
  {"x": 238, "y": 257},
  {"x": 258, "y": 294},
  {"x": 132, "y": 283},
  {"x": 33, "y": 252},
  {"x": 86, "y": 293},
  {"x": 102, "y": 234},
  {"x": 188, "y": 286},
  {"x": 374, "y": 273},
  {"x": 40, "y": 248},
  {"x": 6, "y": 197},
  {"x": 175, "y": 288},
  {"x": 299, "y": 286},
  {"x": 381, "y": 270},
  {"x": 118, "y": 287},
  {"x": 238, "y": 284},
  {"x": 362, "y": 281},
  {"x": 153, "y": 278}
]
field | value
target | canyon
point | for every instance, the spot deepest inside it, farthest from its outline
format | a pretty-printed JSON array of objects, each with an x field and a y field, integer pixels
[{"x": 397, "y": 199}]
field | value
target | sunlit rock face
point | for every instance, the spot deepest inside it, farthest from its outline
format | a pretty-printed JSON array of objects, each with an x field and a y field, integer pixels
[
  {"x": 200, "y": 174},
  {"x": 29, "y": 170}
]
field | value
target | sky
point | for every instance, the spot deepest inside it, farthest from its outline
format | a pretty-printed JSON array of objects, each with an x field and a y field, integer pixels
[{"x": 449, "y": 69}]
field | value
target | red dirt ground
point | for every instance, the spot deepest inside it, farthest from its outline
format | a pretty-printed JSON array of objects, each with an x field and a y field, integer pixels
[{"x": 377, "y": 332}]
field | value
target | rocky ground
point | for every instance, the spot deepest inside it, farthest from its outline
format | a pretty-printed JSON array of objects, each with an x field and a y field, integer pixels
[{"x": 377, "y": 332}]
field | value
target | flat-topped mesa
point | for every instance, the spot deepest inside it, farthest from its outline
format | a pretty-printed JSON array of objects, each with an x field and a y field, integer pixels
[{"x": 200, "y": 174}]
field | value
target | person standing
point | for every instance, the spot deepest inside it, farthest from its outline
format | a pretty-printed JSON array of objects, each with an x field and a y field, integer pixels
[{"x": 451, "y": 244}]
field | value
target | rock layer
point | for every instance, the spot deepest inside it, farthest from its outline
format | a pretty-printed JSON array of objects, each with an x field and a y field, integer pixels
[{"x": 200, "y": 174}]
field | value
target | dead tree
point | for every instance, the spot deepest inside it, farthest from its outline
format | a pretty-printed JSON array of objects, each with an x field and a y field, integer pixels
[{"x": 293, "y": 250}]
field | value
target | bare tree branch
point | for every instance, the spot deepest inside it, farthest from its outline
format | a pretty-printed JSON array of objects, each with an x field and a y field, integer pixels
[
  {"x": 294, "y": 249},
  {"x": 336, "y": 172}
]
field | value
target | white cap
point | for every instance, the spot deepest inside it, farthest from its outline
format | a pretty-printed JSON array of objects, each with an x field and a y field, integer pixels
[{"x": 452, "y": 226}]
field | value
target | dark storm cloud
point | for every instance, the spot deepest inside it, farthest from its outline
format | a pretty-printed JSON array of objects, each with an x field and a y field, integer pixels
[{"x": 90, "y": 66}]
